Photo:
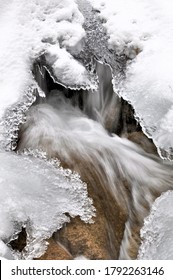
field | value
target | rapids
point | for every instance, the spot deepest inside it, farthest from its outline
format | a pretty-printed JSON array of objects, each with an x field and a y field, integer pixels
[{"x": 79, "y": 129}]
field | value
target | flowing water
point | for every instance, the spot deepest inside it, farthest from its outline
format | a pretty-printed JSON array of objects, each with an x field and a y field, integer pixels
[{"x": 79, "y": 129}]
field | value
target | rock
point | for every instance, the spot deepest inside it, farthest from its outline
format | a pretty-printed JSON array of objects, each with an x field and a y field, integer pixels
[
  {"x": 140, "y": 139},
  {"x": 19, "y": 243},
  {"x": 55, "y": 251},
  {"x": 100, "y": 240}
]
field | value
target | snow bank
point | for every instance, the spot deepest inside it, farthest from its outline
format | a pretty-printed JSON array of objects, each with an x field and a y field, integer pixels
[
  {"x": 142, "y": 30},
  {"x": 37, "y": 194}
]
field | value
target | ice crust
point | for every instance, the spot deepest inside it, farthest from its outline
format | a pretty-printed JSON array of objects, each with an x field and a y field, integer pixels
[
  {"x": 142, "y": 30},
  {"x": 29, "y": 29},
  {"x": 37, "y": 194},
  {"x": 157, "y": 231}
]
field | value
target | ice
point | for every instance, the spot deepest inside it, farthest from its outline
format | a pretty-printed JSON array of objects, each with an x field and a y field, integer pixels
[
  {"x": 126, "y": 27},
  {"x": 28, "y": 30},
  {"x": 34, "y": 194},
  {"x": 157, "y": 231},
  {"x": 65, "y": 36},
  {"x": 37, "y": 195},
  {"x": 96, "y": 43},
  {"x": 141, "y": 30},
  {"x": 69, "y": 71},
  {"x": 84, "y": 144},
  {"x": 69, "y": 34}
]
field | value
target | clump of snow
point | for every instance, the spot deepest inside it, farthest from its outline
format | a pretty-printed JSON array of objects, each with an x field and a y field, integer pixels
[
  {"x": 68, "y": 70},
  {"x": 142, "y": 30},
  {"x": 37, "y": 195},
  {"x": 157, "y": 231},
  {"x": 28, "y": 29}
]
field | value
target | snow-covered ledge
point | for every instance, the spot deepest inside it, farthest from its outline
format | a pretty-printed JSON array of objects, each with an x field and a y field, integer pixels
[{"x": 142, "y": 30}]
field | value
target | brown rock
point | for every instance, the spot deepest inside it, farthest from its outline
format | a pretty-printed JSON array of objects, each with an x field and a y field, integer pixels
[
  {"x": 55, "y": 251},
  {"x": 101, "y": 239},
  {"x": 141, "y": 139}
]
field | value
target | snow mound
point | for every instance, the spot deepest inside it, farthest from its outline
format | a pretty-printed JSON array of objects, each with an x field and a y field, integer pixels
[
  {"x": 37, "y": 195},
  {"x": 29, "y": 30}
]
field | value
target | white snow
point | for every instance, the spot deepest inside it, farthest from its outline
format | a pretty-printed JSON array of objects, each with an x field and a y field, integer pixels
[
  {"x": 33, "y": 193},
  {"x": 69, "y": 71},
  {"x": 28, "y": 29},
  {"x": 142, "y": 30},
  {"x": 157, "y": 233},
  {"x": 37, "y": 195}
]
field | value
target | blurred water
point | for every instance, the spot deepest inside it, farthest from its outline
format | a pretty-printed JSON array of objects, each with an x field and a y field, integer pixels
[{"x": 74, "y": 133}]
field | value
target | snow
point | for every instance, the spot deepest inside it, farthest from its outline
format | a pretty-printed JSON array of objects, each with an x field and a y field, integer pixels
[
  {"x": 69, "y": 71},
  {"x": 139, "y": 29},
  {"x": 37, "y": 194},
  {"x": 157, "y": 231},
  {"x": 28, "y": 29},
  {"x": 142, "y": 30},
  {"x": 125, "y": 26}
]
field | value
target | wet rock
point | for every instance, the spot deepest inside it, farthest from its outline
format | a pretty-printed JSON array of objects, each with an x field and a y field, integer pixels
[
  {"x": 55, "y": 251},
  {"x": 140, "y": 139},
  {"x": 100, "y": 240},
  {"x": 97, "y": 241}
]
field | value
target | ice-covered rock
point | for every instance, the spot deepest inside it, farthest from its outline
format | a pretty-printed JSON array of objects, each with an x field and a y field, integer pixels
[{"x": 37, "y": 195}]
